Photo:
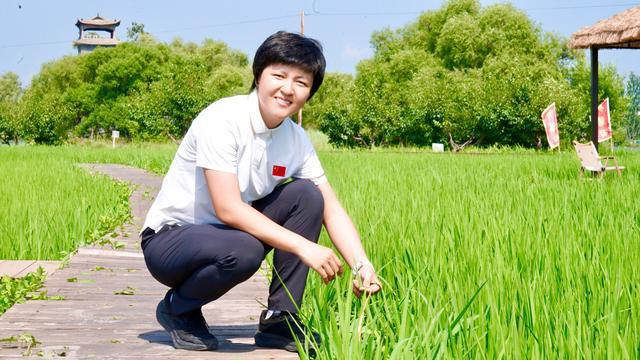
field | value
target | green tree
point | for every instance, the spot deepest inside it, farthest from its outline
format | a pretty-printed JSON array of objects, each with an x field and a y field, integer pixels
[
  {"x": 464, "y": 73},
  {"x": 46, "y": 119},
  {"x": 505, "y": 29},
  {"x": 9, "y": 126},
  {"x": 632, "y": 120},
  {"x": 335, "y": 88},
  {"x": 135, "y": 31},
  {"x": 10, "y": 87},
  {"x": 610, "y": 85},
  {"x": 458, "y": 45},
  {"x": 10, "y": 92},
  {"x": 144, "y": 89}
]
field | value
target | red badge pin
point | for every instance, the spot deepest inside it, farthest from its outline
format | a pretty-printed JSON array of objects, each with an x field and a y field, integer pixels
[{"x": 278, "y": 170}]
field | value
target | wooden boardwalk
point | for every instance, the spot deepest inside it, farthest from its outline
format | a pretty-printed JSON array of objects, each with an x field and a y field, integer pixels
[
  {"x": 20, "y": 268},
  {"x": 108, "y": 311}
]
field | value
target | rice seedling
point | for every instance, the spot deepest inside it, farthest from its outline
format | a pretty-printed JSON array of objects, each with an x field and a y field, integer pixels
[
  {"x": 50, "y": 205},
  {"x": 485, "y": 256}
]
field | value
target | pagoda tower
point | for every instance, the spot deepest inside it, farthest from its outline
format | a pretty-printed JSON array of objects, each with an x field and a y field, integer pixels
[{"x": 88, "y": 40}]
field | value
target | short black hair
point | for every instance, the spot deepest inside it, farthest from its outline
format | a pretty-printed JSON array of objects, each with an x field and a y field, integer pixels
[{"x": 291, "y": 49}]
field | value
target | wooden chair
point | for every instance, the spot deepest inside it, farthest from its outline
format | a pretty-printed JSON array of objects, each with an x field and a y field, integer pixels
[{"x": 591, "y": 161}]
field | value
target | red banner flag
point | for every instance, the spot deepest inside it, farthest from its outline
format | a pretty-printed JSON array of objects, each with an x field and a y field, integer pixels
[
  {"x": 550, "y": 121},
  {"x": 604, "y": 121}
]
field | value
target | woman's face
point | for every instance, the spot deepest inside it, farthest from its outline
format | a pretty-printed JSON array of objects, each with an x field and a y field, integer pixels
[{"x": 282, "y": 91}]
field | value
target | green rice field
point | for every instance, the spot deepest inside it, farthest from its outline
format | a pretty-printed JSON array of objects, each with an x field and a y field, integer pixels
[
  {"x": 508, "y": 255},
  {"x": 486, "y": 256},
  {"x": 50, "y": 205}
]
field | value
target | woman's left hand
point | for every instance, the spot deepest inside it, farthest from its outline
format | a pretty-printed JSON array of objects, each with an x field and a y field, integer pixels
[{"x": 366, "y": 281}]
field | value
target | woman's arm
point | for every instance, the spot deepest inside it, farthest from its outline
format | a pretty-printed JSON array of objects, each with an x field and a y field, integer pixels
[
  {"x": 230, "y": 209},
  {"x": 345, "y": 237}
]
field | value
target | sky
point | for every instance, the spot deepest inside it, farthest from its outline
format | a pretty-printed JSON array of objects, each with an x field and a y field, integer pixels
[{"x": 34, "y": 32}]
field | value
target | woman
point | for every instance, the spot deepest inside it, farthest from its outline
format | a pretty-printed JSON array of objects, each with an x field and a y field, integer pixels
[{"x": 246, "y": 180}]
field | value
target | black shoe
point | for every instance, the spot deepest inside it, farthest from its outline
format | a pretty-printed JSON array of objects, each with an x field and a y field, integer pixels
[
  {"x": 188, "y": 331},
  {"x": 281, "y": 331}
]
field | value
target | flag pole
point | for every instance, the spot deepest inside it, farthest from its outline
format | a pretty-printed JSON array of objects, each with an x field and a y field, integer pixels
[
  {"x": 610, "y": 126},
  {"x": 301, "y": 33},
  {"x": 611, "y": 140}
]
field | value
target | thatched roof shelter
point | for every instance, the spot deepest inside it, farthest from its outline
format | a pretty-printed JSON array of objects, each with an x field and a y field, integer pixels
[{"x": 621, "y": 31}]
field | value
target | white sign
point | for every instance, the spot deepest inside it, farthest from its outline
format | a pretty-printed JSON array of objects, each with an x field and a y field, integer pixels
[
  {"x": 115, "y": 134},
  {"x": 437, "y": 147}
]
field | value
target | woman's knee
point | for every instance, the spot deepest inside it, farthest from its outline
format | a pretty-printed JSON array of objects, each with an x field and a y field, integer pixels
[
  {"x": 247, "y": 259},
  {"x": 309, "y": 196}
]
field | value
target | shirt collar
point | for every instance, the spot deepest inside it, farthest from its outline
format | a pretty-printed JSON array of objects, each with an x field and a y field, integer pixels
[{"x": 257, "y": 123}]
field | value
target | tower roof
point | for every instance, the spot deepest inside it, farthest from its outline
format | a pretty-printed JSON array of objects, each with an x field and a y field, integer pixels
[{"x": 97, "y": 21}]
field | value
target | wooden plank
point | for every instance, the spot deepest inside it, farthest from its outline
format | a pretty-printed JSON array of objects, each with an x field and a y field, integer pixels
[
  {"x": 49, "y": 267},
  {"x": 159, "y": 350},
  {"x": 14, "y": 267},
  {"x": 99, "y": 252}
]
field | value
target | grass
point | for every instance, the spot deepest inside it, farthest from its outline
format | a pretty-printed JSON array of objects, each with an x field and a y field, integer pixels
[
  {"x": 481, "y": 255},
  {"x": 50, "y": 205},
  {"x": 14, "y": 290},
  {"x": 486, "y": 256}
]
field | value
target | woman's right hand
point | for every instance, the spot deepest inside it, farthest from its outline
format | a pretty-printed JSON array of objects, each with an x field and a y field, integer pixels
[{"x": 321, "y": 259}]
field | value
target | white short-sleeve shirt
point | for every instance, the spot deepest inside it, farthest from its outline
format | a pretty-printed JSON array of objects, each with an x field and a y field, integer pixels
[{"x": 230, "y": 136}]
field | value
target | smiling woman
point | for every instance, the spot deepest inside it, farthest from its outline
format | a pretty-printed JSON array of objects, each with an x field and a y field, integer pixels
[
  {"x": 246, "y": 180},
  {"x": 282, "y": 91}
]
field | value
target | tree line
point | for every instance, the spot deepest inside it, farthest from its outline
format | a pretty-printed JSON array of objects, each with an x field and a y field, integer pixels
[
  {"x": 144, "y": 89},
  {"x": 457, "y": 75},
  {"x": 469, "y": 74}
]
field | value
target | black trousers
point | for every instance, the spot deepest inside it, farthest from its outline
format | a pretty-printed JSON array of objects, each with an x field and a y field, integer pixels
[{"x": 202, "y": 262}]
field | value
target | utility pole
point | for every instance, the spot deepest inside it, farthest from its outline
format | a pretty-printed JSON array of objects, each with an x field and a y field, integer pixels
[{"x": 302, "y": 33}]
